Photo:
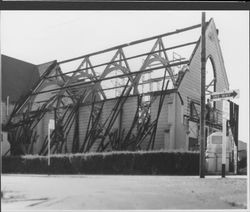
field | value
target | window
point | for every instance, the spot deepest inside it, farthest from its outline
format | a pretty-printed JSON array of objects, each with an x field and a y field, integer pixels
[{"x": 210, "y": 77}]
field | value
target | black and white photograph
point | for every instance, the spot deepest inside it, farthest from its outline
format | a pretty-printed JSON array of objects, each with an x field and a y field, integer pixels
[{"x": 124, "y": 110}]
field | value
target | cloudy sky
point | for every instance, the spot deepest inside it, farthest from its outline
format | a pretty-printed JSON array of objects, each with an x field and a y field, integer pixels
[{"x": 41, "y": 36}]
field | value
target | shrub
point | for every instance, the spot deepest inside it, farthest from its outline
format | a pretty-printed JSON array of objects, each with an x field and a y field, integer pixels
[{"x": 142, "y": 162}]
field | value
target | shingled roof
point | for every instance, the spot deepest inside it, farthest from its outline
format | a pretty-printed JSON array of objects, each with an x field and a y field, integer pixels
[{"x": 18, "y": 77}]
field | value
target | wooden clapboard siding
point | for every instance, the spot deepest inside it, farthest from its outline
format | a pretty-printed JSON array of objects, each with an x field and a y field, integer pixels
[
  {"x": 214, "y": 50},
  {"x": 165, "y": 119},
  {"x": 144, "y": 144},
  {"x": 170, "y": 119},
  {"x": 69, "y": 138},
  {"x": 180, "y": 130},
  {"x": 84, "y": 115},
  {"x": 42, "y": 131},
  {"x": 4, "y": 115},
  {"x": 107, "y": 110},
  {"x": 190, "y": 85},
  {"x": 95, "y": 146},
  {"x": 128, "y": 113}
]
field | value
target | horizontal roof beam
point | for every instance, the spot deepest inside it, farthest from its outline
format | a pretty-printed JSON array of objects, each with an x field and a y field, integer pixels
[
  {"x": 117, "y": 76},
  {"x": 133, "y": 43},
  {"x": 128, "y": 58}
]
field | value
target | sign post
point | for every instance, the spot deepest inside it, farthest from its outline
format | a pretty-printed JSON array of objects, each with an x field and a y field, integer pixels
[
  {"x": 224, "y": 137},
  {"x": 203, "y": 85},
  {"x": 234, "y": 122},
  {"x": 51, "y": 126},
  {"x": 224, "y": 96}
]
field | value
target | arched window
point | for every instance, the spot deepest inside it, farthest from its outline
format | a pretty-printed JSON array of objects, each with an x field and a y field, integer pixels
[{"x": 210, "y": 77}]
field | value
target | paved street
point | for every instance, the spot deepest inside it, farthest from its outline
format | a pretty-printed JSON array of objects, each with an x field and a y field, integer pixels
[{"x": 71, "y": 192}]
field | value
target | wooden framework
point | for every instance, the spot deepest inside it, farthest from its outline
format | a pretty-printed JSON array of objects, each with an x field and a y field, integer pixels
[{"x": 70, "y": 91}]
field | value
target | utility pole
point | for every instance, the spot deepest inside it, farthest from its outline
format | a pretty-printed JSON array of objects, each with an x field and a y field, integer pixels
[
  {"x": 1, "y": 118},
  {"x": 224, "y": 137},
  {"x": 203, "y": 84}
]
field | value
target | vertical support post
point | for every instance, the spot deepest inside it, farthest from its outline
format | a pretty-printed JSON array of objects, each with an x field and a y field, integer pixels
[
  {"x": 51, "y": 126},
  {"x": 225, "y": 117},
  {"x": 224, "y": 140},
  {"x": 7, "y": 105},
  {"x": 49, "y": 144},
  {"x": 1, "y": 135},
  {"x": 235, "y": 159},
  {"x": 55, "y": 118},
  {"x": 237, "y": 162},
  {"x": 236, "y": 120},
  {"x": 76, "y": 134},
  {"x": 120, "y": 125},
  {"x": 203, "y": 84}
]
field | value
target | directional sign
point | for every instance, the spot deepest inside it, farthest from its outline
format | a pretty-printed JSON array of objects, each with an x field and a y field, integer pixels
[
  {"x": 52, "y": 124},
  {"x": 216, "y": 96}
]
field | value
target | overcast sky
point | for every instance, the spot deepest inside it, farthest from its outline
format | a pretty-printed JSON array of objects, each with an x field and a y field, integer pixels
[{"x": 41, "y": 36}]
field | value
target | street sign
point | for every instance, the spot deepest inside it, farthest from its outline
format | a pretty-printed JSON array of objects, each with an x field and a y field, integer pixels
[
  {"x": 51, "y": 124},
  {"x": 224, "y": 95}
]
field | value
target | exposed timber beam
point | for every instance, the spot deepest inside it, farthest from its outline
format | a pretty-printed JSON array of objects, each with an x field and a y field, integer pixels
[
  {"x": 126, "y": 59},
  {"x": 117, "y": 76},
  {"x": 134, "y": 42}
]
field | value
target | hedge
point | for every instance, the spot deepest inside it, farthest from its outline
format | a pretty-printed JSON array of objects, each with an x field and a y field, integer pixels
[{"x": 153, "y": 162}]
